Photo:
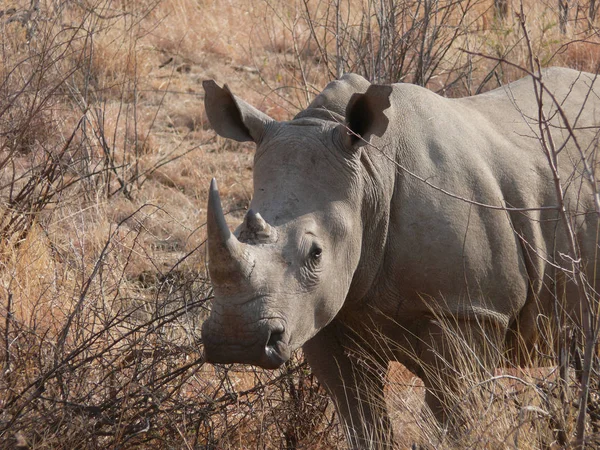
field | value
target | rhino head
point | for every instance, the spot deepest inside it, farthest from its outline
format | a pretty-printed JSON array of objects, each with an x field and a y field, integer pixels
[{"x": 288, "y": 269}]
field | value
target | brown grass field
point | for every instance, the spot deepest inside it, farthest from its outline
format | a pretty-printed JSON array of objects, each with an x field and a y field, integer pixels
[{"x": 105, "y": 162}]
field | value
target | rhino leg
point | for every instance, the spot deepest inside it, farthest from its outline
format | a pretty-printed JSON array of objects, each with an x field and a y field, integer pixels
[
  {"x": 454, "y": 355},
  {"x": 356, "y": 387}
]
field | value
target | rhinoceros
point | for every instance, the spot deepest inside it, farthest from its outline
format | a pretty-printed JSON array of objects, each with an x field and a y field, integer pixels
[{"x": 380, "y": 210}]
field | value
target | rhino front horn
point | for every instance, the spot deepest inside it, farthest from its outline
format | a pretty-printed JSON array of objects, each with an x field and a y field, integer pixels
[{"x": 229, "y": 261}]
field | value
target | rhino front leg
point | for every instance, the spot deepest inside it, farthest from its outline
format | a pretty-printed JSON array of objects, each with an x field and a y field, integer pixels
[{"x": 354, "y": 384}]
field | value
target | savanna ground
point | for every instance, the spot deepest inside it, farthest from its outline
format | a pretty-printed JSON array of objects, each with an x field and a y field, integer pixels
[{"x": 105, "y": 161}]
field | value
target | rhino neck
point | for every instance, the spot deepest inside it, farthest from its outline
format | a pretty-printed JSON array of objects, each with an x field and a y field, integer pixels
[
  {"x": 320, "y": 113},
  {"x": 379, "y": 179},
  {"x": 331, "y": 103}
]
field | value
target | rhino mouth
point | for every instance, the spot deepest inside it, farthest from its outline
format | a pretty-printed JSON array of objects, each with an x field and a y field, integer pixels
[
  {"x": 269, "y": 351},
  {"x": 277, "y": 351}
]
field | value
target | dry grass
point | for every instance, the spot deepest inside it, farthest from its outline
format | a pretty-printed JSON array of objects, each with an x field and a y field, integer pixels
[{"x": 105, "y": 160}]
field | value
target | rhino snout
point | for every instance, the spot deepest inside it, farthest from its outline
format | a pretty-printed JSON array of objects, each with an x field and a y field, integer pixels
[{"x": 267, "y": 347}]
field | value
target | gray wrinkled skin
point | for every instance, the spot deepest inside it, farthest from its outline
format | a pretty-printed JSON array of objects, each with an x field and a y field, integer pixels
[{"x": 342, "y": 251}]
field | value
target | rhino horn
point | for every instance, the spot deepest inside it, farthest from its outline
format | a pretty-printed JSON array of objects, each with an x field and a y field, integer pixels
[
  {"x": 256, "y": 225},
  {"x": 230, "y": 261}
]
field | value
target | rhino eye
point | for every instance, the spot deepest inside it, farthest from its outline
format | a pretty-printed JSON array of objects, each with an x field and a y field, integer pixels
[{"x": 315, "y": 253}]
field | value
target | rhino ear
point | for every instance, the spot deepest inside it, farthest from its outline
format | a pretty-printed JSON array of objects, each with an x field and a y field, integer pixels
[
  {"x": 365, "y": 116},
  {"x": 231, "y": 117}
]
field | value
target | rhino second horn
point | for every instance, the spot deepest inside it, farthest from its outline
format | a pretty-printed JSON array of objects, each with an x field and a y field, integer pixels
[
  {"x": 229, "y": 261},
  {"x": 257, "y": 225}
]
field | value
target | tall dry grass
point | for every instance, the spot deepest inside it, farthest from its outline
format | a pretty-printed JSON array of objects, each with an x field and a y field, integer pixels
[
  {"x": 511, "y": 407},
  {"x": 105, "y": 159}
]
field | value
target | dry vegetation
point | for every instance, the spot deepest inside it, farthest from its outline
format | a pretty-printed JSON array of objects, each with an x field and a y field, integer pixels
[{"x": 105, "y": 160}]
